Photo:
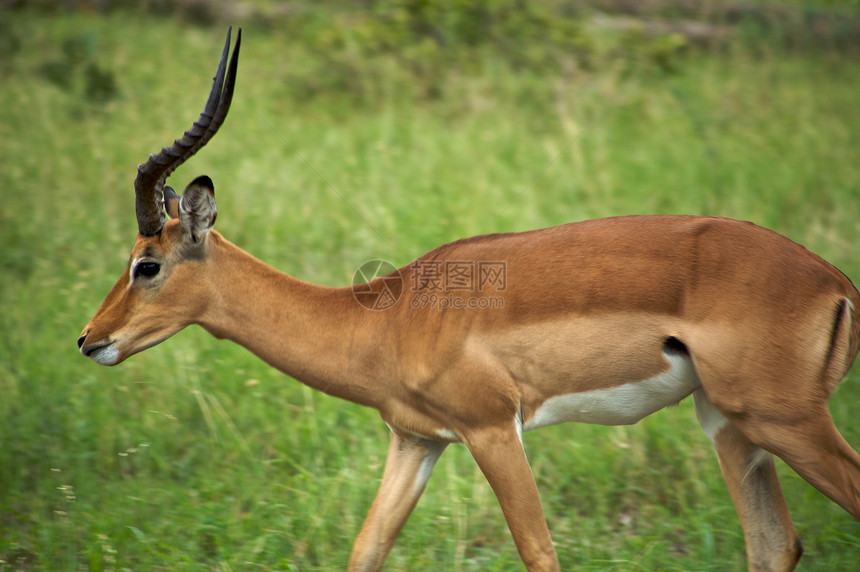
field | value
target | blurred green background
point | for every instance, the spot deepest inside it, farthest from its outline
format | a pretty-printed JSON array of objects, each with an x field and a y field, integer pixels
[{"x": 381, "y": 129}]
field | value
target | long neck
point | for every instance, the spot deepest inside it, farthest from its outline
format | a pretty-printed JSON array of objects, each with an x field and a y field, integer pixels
[{"x": 318, "y": 335}]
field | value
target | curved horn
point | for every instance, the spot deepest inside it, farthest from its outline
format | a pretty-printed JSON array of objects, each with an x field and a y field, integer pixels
[{"x": 151, "y": 176}]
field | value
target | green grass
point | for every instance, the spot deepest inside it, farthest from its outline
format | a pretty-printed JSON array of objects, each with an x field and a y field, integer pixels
[{"x": 195, "y": 455}]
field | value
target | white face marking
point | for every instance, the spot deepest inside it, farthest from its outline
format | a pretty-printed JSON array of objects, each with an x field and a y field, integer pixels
[
  {"x": 709, "y": 418},
  {"x": 623, "y": 404},
  {"x": 131, "y": 272},
  {"x": 107, "y": 355}
]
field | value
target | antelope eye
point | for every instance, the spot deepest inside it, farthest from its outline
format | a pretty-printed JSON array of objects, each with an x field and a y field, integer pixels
[{"x": 146, "y": 269}]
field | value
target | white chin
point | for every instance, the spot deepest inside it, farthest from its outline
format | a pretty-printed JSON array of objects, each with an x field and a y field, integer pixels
[{"x": 107, "y": 355}]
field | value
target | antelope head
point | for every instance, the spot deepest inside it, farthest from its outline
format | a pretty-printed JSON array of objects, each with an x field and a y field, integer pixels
[{"x": 150, "y": 302}]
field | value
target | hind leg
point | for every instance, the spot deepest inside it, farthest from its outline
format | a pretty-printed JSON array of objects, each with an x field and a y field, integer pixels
[
  {"x": 778, "y": 400},
  {"x": 812, "y": 446},
  {"x": 772, "y": 542}
]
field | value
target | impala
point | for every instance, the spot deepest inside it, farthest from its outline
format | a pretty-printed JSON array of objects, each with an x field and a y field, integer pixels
[{"x": 603, "y": 321}]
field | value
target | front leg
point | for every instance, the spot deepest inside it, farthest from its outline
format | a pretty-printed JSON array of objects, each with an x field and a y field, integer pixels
[
  {"x": 410, "y": 462},
  {"x": 500, "y": 455}
]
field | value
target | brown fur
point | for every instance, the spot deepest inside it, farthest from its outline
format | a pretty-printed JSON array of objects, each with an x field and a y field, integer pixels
[{"x": 770, "y": 329}]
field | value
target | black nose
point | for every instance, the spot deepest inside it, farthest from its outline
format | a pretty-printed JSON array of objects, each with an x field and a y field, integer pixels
[{"x": 81, "y": 341}]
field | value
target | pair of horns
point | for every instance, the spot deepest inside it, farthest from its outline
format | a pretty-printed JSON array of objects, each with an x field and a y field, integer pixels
[{"x": 151, "y": 176}]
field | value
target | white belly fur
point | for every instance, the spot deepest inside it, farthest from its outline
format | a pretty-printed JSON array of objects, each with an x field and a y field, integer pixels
[{"x": 623, "y": 404}]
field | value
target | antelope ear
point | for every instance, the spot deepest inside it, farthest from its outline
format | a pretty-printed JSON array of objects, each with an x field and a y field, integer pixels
[
  {"x": 171, "y": 202},
  {"x": 197, "y": 210}
]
